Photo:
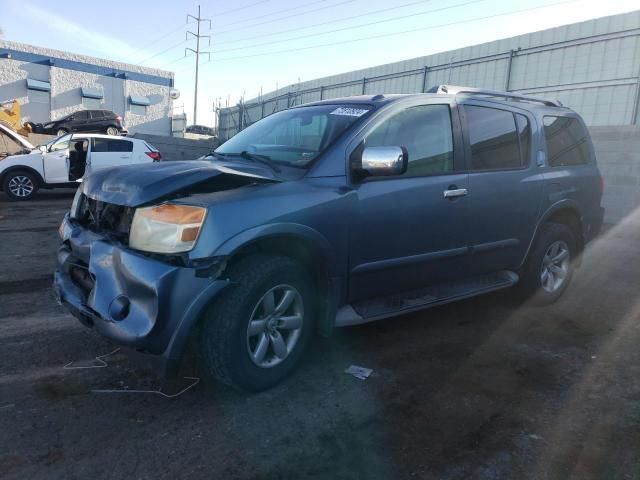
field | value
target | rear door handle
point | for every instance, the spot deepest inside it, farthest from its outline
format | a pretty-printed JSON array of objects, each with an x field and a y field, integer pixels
[{"x": 456, "y": 192}]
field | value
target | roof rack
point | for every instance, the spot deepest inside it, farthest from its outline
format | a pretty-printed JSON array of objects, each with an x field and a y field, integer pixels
[{"x": 455, "y": 89}]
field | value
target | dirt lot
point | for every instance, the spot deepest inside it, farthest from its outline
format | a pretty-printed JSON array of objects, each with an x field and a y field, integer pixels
[{"x": 484, "y": 389}]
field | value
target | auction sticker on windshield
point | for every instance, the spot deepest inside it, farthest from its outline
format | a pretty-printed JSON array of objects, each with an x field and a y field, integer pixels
[{"x": 351, "y": 112}]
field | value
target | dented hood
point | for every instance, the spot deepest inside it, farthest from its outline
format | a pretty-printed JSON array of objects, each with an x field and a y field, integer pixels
[{"x": 134, "y": 185}]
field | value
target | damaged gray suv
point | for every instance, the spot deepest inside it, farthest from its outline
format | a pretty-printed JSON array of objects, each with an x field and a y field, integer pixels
[{"x": 329, "y": 214}]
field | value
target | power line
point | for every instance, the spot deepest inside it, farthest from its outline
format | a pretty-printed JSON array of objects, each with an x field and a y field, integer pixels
[
  {"x": 351, "y": 27},
  {"x": 162, "y": 37},
  {"x": 298, "y": 7},
  {"x": 403, "y": 32},
  {"x": 286, "y": 17},
  {"x": 244, "y": 7},
  {"x": 182, "y": 42},
  {"x": 343, "y": 19}
]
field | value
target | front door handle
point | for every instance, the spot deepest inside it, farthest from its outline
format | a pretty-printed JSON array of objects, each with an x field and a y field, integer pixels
[{"x": 455, "y": 192}]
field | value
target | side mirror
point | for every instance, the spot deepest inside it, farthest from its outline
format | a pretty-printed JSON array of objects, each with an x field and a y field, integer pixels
[
  {"x": 384, "y": 161},
  {"x": 42, "y": 148}
]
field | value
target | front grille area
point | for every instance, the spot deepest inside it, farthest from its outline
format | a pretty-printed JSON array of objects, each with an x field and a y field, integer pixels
[{"x": 106, "y": 218}]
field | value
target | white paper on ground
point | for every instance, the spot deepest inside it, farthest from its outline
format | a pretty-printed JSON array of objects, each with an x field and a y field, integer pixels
[{"x": 359, "y": 372}]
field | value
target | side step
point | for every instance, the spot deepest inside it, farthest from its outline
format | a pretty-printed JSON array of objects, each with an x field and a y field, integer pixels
[{"x": 384, "y": 307}]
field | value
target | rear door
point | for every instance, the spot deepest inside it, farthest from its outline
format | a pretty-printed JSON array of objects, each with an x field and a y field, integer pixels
[
  {"x": 505, "y": 185},
  {"x": 110, "y": 152},
  {"x": 56, "y": 161},
  {"x": 97, "y": 120},
  {"x": 80, "y": 121}
]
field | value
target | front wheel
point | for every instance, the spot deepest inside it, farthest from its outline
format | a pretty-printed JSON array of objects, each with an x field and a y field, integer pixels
[
  {"x": 20, "y": 185},
  {"x": 113, "y": 131},
  {"x": 253, "y": 337},
  {"x": 549, "y": 269},
  {"x": 60, "y": 132}
]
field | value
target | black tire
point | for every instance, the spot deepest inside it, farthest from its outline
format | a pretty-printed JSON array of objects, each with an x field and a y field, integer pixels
[
  {"x": 531, "y": 284},
  {"x": 28, "y": 181},
  {"x": 61, "y": 131},
  {"x": 224, "y": 345}
]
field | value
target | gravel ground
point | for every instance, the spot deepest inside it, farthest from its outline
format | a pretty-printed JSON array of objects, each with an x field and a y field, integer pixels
[{"x": 483, "y": 389}]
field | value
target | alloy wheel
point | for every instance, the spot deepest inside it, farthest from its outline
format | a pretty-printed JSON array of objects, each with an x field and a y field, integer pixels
[
  {"x": 21, "y": 186},
  {"x": 275, "y": 326},
  {"x": 555, "y": 266}
]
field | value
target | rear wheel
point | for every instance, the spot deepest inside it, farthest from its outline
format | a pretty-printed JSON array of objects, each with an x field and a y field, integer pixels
[
  {"x": 253, "y": 337},
  {"x": 20, "y": 185},
  {"x": 113, "y": 131},
  {"x": 60, "y": 132},
  {"x": 549, "y": 269}
]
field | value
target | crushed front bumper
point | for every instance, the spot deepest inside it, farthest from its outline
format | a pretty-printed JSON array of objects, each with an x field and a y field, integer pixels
[{"x": 134, "y": 300}]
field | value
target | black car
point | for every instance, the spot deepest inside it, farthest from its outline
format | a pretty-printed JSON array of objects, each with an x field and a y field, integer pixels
[
  {"x": 200, "y": 130},
  {"x": 94, "y": 121}
]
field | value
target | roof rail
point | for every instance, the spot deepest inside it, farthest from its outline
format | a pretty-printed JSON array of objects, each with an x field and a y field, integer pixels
[{"x": 455, "y": 89}]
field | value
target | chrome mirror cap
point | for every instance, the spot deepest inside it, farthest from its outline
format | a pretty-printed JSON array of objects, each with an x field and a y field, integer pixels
[{"x": 384, "y": 161}]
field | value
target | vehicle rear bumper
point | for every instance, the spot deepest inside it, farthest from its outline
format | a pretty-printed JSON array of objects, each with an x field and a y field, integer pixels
[
  {"x": 594, "y": 226},
  {"x": 137, "y": 302}
]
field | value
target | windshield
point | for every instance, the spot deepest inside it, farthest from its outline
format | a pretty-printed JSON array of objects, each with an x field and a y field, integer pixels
[{"x": 294, "y": 137}]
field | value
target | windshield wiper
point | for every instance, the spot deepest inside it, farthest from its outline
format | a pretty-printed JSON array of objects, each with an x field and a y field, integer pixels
[{"x": 254, "y": 157}]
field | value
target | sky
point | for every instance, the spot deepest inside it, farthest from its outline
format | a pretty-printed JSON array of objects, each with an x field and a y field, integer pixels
[{"x": 257, "y": 45}]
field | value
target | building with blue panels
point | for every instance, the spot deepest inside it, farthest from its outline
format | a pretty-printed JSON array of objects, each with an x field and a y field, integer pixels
[{"x": 50, "y": 84}]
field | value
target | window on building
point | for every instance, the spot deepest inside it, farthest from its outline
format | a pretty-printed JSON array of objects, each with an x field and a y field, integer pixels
[
  {"x": 425, "y": 131},
  {"x": 38, "y": 91},
  {"x": 138, "y": 109},
  {"x": 91, "y": 103},
  {"x": 91, "y": 98},
  {"x": 567, "y": 141},
  {"x": 138, "y": 104},
  {"x": 108, "y": 145},
  {"x": 496, "y": 142}
]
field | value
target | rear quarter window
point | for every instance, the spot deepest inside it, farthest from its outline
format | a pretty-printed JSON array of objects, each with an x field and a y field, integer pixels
[
  {"x": 567, "y": 141},
  {"x": 102, "y": 145}
]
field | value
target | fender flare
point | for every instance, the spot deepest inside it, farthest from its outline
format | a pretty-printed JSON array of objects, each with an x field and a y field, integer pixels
[
  {"x": 15, "y": 168},
  {"x": 264, "y": 232},
  {"x": 564, "y": 204}
]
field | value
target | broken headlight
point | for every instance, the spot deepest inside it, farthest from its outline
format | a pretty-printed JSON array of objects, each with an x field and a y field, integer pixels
[{"x": 166, "y": 228}]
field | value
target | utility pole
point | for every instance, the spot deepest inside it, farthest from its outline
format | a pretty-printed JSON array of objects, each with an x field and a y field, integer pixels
[{"x": 197, "y": 52}]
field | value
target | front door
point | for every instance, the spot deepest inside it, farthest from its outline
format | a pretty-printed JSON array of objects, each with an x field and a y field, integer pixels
[
  {"x": 56, "y": 161},
  {"x": 406, "y": 232},
  {"x": 505, "y": 183},
  {"x": 80, "y": 121}
]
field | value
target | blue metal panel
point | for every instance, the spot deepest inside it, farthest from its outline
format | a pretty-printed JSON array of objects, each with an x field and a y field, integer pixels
[
  {"x": 139, "y": 100},
  {"x": 92, "y": 93},
  {"x": 38, "y": 85},
  {"x": 86, "y": 67}
]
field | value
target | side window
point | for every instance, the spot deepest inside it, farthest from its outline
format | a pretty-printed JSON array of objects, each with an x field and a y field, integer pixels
[
  {"x": 425, "y": 131},
  {"x": 96, "y": 114},
  {"x": 80, "y": 115},
  {"x": 567, "y": 141},
  {"x": 496, "y": 141},
  {"x": 61, "y": 144},
  {"x": 107, "y": 145}
]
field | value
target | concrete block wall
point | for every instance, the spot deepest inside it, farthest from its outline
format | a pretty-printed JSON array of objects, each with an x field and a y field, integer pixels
[
  {"x": 174, "y": 148},
  {"x": 618, "y": 153}
]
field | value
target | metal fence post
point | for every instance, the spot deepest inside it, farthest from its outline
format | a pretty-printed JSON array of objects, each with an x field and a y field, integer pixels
[
  {"x": 424, "y": 79},
  {"x": 364, "y": 84},
  {"x": 321, "y": 91},
  {"x": 507, "y": 80},
  {"x": 636, "y": 103}
]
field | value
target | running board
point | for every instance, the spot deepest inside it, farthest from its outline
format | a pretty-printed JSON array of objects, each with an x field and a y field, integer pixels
[{"x": 384, "y": 307}]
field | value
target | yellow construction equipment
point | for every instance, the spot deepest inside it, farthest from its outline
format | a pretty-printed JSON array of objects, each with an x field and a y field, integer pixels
[{"x": 10, "y": 116}]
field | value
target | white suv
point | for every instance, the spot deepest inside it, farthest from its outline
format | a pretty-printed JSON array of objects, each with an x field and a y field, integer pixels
[{"x": 64, "y": 161}]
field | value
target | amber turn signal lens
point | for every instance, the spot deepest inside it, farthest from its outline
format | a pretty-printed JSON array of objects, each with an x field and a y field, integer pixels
[{"x": 175, "y": 214}]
